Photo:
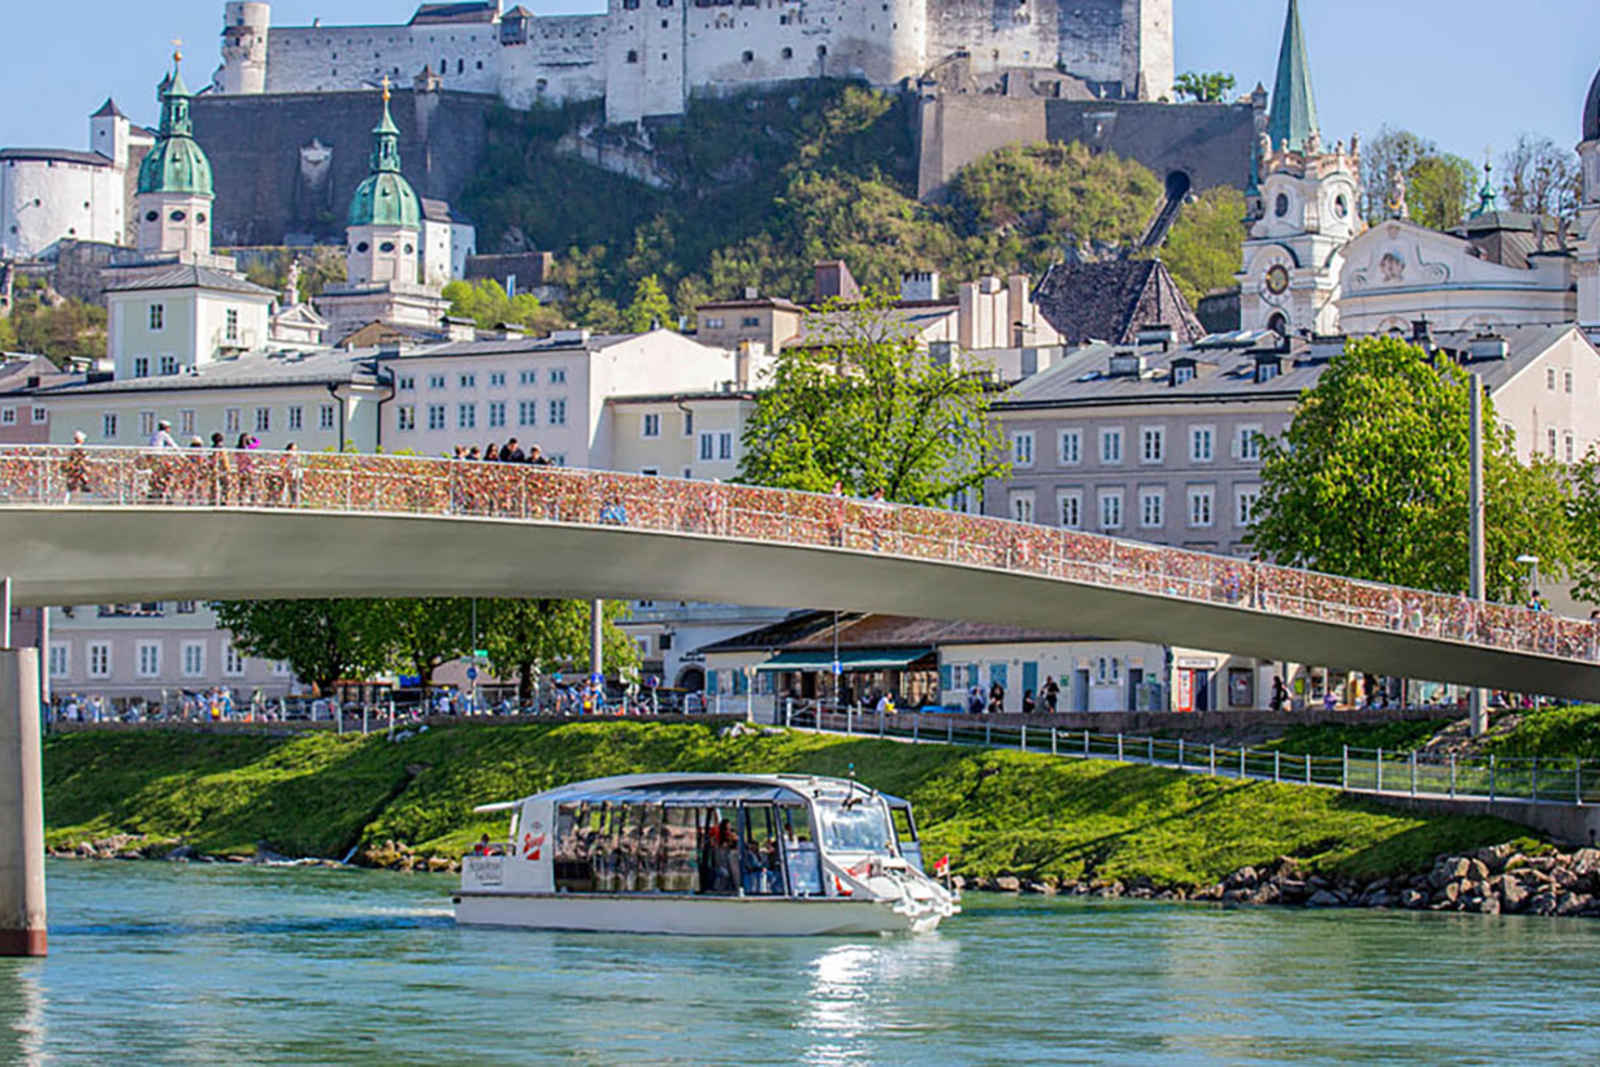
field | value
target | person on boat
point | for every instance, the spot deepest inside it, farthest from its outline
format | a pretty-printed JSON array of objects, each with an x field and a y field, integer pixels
[{"x": 482, "y": 847}]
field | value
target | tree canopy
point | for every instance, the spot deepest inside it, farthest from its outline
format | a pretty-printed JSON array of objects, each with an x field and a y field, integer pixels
[
  {"x": 1371, "y": 479},
  {"x": 1206, "y": 87},
  {"x": 526, "y": 639},
  {"x": 486, "y": 303},
  {"x": 323, "y": 641},
  {"x": 1199, "y": 250},
  {"x": 1539, "y": 176},
  {"x": 1440, "y": 188},
  {"x": 861, "y": 404}
]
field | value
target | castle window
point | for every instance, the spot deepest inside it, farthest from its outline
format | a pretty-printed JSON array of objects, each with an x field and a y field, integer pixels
[
  {"x": 822, "y": 51},
  {"x": 633, "y": 56},
  {"x": 480, "y": 66},
  {"x": 630, "y": 5},
  {"x": 387, "y": 246},
  {"x": 151, "y": 216},
  {"x": 1281, "y": 205},
  {"x": 748, "y": 57},
  {"x": 461, "y": 66},
  {"x": 409, "y": 250},
  {"x": 177, "y": 216},
  {"x": 362, "y": 246},
  {"x": 200, "y": 216},
  {"x": 663, "y": 26}
]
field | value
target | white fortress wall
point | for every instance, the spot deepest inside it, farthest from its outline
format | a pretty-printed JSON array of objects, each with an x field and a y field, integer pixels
[
  {"x": 1148, "y": 46},
  {"x": 44, "y": 200},
  {"x": 326, "y": 58},
  {"x": 645, "y": 60},
  {"x": 1030, "y": 34},
  {"x": 562, "y": 60}
]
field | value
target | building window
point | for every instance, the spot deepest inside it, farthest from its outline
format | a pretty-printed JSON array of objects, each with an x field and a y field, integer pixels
[
  {"x": 60, "y": 660},
  {"x": 688, "y": 424},
  {"x": 108, "y": 425},
  {"x": 1244, "y": 504},
  {"x": 158, "y": 316},
  {"x": 169, "y": 364},
  {"x": 231, "y": 324},
  {"x": 194, "y": 659},
  {"x": 1152, "y": 508},
  {"x": 714, "y": 323},
  {"x": 1568, "y": 445},
  {"x": 558, "y": 376},
  {"x": 8, "y": 416},
  {"x": 325, "y": 417},
  {"x": 1071, "y": 448},
  {"x": 1248, "y": 445},
  {"x": 1022, "y": 506},
  {"x": 466, "y": 416},
  {"x": 297, "y": 416},
  {"x": 1110, "y": 509},
  {"x": 1566, "y": 380},
  {"x": 526, "y": 412},
  {"x": 1200, "y": 507},
  {"x": 40, "y": 415},
  {"x": 467, "y": 381},
  {"x": 497, "y": 379},
  {"x": 651, "y": 425},
  {"x": 1200, "y": 444},
  {"x": 724, "y": 445},
  {"x": 1022, "y": 450},
  {"x": 1111, "y": 446},
  {"x": 149, "y": 658},
  {"x": 184, "y": 607},
  {"x": 263, "y": 420},
  {"x": 497, "y": 413},
  {"x": 141, "y": 366},
  {"x": 1552, "y": 436},
  {"x": 528, "y": 377},
  {"x": 230, "y": 420},
  {"x": 633, "y": 53},
  {"x": 147, "y": 423},
  {"x": 558, "y": 413},
  {"x": 407, "y": 384},
  {"x": 435, "y": 381},
  {"x": 1550, "y": 378},
  {"x": 1182, "y": 372},
  {"x": 405, "y": 417},
  {"x": 99, "y": 659},
  {"x": 1152, "y": 444},
  {"x": 435, "y": 416},
  {"x": 232, "y": 661},
  {"x": 1070, "y": 506}
]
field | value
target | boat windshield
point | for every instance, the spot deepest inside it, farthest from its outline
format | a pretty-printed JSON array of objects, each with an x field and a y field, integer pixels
[{"x": 858, "y": 828}]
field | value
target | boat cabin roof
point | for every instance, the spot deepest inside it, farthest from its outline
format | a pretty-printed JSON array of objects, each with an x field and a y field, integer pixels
[{"x": 703, "y": 790}]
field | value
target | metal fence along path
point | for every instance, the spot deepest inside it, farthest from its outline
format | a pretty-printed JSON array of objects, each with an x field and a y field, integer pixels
[{"x": 1560, "y": 780}]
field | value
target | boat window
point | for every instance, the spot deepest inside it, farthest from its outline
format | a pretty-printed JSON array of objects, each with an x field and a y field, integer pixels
[
  {"x": 577, "y": 828},
  {"x": 905, "y": 835},
  {"x": 858, "y": 828},
  {"x": 800, "y": 843},
  {"x": 761, "y": 862},
  {"x": 625, "y": 848},
  {"x": 679, "y": 870},
  {"x": 719, "y": 849}
]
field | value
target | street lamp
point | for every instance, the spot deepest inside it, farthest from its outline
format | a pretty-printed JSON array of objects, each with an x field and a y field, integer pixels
[{"x": 1532, "y": 563}]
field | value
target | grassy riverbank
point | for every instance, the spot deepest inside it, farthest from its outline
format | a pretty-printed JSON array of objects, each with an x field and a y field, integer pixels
[{"x": 994, "y": 812}]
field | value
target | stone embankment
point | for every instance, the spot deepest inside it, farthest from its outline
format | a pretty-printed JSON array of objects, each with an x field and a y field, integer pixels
[{"x": 1490, "y": 881}]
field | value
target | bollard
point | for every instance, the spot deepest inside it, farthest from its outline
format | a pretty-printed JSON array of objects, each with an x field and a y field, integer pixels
[
  {"x": 1150, "y": 750},
  {"x": 1277, "y": 765},
  {"x": 1211, "y": 761},
  {"x": 391, "y": 718},
  {"x": 363, "y": 720},
  {"x": 1053, "y": 741},
  {"x": 949, "y": 731},
  {"x": 1242, "y": 751},
  {"x": 1086, "y": 744},
  {"x": 916, "y": 727},
  {"x": 1452, "y": 774},
  {"x": 1491, "y": 777},
  {"x": 338, "y": 718},
  {"x": 1308, "y": 768},
  {"x": 1180, "y": 753},
  {"x": 1344, "y": 768},
  {"x": 1379, "y": 785},
  {"x": 1024, "y": 744},
  {"x": 849, "y": 727},
  {"x": 881, "y": 723},
  {"x": 1119, "y": 746},
  {"x": 986, "y": 730},
  {"x": 788, "y": 710},
  {"x": 1413, "y": 772},
  {"x": 22, "y": 909}
]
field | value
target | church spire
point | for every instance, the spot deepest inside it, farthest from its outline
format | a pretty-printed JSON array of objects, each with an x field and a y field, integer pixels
[
  {"x": 1293, "y": 116},
  {"x": 386, "y": 139}
]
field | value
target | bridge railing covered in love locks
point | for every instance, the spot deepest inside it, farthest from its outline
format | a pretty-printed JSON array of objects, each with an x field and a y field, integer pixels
[{"x": 57, "y": 475}]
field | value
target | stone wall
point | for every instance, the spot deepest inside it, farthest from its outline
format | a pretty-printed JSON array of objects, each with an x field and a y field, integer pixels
[{"x": 291, "y": 180}]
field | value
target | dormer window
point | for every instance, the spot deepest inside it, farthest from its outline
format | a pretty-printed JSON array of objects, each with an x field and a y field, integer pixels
[
  {"x": 1182, "y": 371},
  {"x": 1267, "y": 368}
]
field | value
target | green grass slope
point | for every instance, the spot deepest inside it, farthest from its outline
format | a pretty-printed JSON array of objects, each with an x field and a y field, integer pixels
[{"x": 994, "y": 812}]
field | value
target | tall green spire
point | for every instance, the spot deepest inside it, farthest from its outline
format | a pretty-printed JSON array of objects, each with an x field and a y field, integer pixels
[
  {"x": 385, "y": 198},
  {"x": 175, "y": 164},
  {"x": 1294, "y": 112}
]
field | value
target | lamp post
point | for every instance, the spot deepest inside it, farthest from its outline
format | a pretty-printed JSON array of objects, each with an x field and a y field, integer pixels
[{"x": 1532, "y": 563}]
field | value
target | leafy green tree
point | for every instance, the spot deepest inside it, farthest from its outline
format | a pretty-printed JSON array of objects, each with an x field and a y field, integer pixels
[
  {"x": 323, "y": 641},
  {"x": 529, "y": 638},
  {"x": 1204, "y": 247},
  {"x": 864, "y": 405},
  {"x": 425, "y": 633},
  {"x": 1208, "y": 87},
  {"x": 1583, "y": 512},
  {"x": 1371, "y": 479},
  {"x": 486, "y": 303},
  {"x": 1440, "y": 188},
  {"x": 650, "y": 308}
]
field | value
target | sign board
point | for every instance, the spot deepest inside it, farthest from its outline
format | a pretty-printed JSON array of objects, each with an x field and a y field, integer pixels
[
  {"x": 480, "y": 653},
  {"x": 472, "y": 672},
  {"x": 1196, "y": 663},
  {"x": 655, "y": 681},
  {"x": 838, "y": 668},
  {"x": 596, "y": 679}
]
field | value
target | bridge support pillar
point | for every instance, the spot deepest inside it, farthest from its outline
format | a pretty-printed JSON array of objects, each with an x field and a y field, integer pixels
[
  {"x": 22, "y": 913},
  {"x": 597, "y": 660}
]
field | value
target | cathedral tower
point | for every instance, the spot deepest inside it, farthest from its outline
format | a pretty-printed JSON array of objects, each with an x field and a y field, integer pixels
[
  {"x": 385, "y": 215},
  {"x": 1589, "y": 216},
  {"x": 1304, "y": 210},
  {"x": 174, "y": 191}
]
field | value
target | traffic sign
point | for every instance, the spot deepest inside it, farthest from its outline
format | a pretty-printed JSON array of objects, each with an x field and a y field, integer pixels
[
  {"x": 655, "y": 681},
  {"x": 838, "y": 668},
  {"x": 472, "y": 673}
]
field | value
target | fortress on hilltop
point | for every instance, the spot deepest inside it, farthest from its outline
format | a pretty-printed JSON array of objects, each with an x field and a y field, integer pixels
[{"x": 648, "y": 57}]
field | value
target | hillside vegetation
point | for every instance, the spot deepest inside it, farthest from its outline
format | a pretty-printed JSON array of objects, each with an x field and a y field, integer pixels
[
  {"x": 764, "y": 185},
  {"x": 993, "y": 812}
]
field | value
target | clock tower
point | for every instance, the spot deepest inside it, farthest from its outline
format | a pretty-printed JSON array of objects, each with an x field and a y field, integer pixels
[{"x": 1304, "y": 209}]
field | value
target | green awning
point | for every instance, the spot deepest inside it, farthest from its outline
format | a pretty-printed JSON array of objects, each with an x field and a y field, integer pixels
[{"x": 850, "y": 659}]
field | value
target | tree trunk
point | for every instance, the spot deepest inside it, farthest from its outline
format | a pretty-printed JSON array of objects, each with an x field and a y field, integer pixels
[{"x": 524, "y": 682}]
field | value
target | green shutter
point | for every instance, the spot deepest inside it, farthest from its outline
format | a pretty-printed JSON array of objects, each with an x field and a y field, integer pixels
[{"x": 945, "y": 682}]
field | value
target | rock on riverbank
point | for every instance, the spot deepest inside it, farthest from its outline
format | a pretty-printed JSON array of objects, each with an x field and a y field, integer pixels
[{"x": 1490, "y": 881}]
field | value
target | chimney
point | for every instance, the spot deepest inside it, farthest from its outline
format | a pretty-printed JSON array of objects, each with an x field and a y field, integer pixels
[
  {"x": 919, "y": 285},
  {"x": 1489, "y": 346},
  {"x": 751, "y": 292},
  {"x": 1126, "y": 364},
  {"x": 1158, "y": 333}
]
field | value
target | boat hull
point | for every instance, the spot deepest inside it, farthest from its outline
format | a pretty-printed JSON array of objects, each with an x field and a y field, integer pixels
[{"x": 696, "y": 915}]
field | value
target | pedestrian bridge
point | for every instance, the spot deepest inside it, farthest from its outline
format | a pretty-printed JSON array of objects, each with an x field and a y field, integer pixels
[{"x": 85, "y": 525}]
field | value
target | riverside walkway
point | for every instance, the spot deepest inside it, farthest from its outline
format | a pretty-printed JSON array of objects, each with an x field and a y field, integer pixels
[
  {"x": 1560, "y": 795},
  {"x": 92, "y": 525}
]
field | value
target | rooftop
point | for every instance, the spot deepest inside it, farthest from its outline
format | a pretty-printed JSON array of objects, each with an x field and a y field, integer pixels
[
  {"x": 1109, "y": 301},
  {"x": 322, "y": 367},
  {"x": 187, "y": 276}
]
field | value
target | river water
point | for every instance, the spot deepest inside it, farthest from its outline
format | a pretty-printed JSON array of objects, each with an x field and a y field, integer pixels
[{"x": 203, "y": 964}]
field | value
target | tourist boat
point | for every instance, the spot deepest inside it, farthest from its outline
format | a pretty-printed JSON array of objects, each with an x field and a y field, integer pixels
[{"x": 719, "y": 854}]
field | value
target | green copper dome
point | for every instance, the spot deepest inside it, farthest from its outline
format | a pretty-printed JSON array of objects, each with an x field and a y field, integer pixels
[
  {"x": 385, "y": 198},
  {"x": 175, "y": 164}
]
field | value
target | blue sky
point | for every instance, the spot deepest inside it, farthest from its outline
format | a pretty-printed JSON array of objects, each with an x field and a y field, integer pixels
[{"x": 1468, "y": 73}]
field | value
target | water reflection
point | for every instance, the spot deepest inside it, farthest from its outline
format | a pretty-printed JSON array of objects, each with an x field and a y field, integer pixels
[
  {"x": 22, "y": 1012},
  {"x": 858, "y": 988}
]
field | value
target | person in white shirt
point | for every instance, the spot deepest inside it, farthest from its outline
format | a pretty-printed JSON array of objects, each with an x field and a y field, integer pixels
[{"x": 162, "y": 438}]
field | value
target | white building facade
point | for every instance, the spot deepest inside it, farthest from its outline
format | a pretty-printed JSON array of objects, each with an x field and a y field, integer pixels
[{"x": 50, "y": 193}]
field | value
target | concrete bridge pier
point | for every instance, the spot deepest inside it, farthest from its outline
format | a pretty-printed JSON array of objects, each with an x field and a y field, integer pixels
[{"x": 22, "y": 912}]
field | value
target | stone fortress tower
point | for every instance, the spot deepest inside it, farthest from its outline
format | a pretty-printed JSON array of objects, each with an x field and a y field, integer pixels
[
  {"x": 648, "y": 57},
  {"x": 1303, "y": 207}
]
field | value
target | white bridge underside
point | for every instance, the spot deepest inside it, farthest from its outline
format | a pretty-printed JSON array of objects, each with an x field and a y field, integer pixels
[{"x": 87, "y": 555}]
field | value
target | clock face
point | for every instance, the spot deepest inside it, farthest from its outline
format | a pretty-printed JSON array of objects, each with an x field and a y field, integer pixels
[{"x": 1277, "y": 279}]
